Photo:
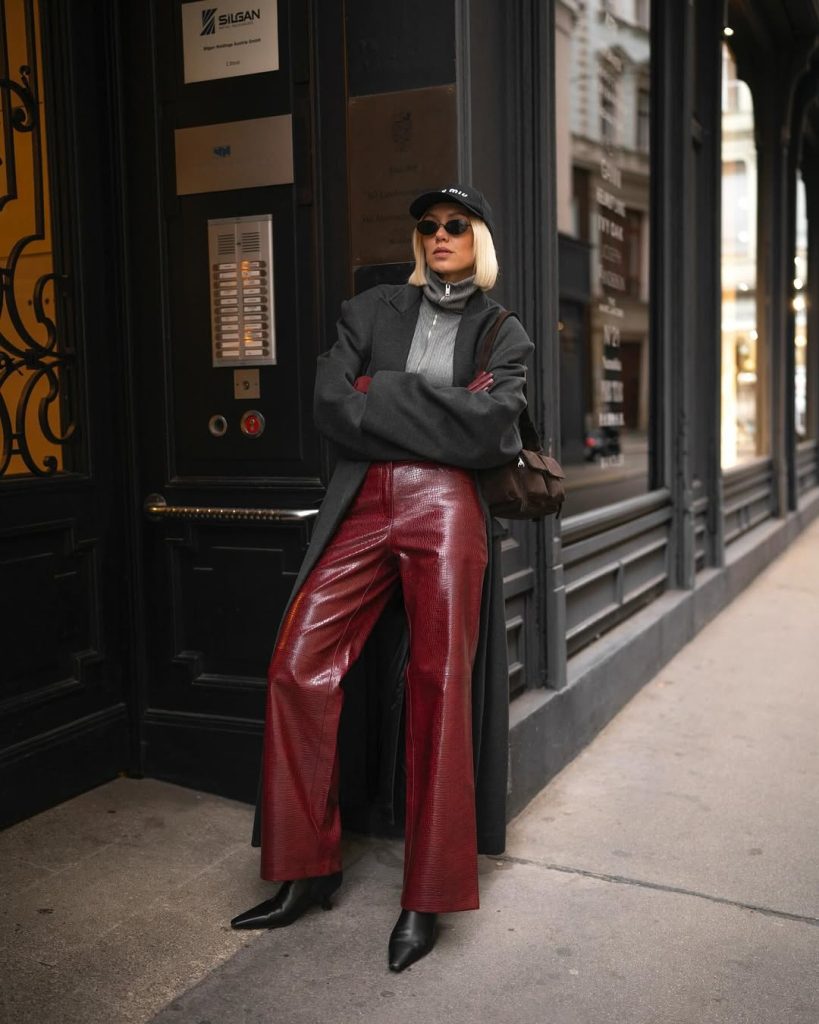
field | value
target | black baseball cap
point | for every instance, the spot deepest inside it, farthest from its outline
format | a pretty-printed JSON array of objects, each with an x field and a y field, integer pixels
[{"x": 465, "y": 195}]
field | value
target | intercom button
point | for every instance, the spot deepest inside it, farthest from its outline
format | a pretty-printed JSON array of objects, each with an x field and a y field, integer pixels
[{"x": 252, "y": 423}]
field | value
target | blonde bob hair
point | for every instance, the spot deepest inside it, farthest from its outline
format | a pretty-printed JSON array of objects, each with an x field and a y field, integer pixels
[{"x": 486, "y": 260}]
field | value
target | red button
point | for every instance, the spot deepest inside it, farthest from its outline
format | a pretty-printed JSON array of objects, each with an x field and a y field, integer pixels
[{"x": 252, "y": 423}]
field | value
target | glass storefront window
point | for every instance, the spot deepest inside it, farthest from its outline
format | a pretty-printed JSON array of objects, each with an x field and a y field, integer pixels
[
  {"x": 740, "y": 437},
  {"x": 800, "y": 311},
  {"x": 603, "y": 92},
  {"x": 35, "y": 369}
]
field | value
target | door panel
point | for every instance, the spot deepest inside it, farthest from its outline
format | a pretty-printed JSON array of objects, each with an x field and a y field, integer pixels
[
  {"x": 215, "y": 587},
  {"x": 228, "y": 585}
]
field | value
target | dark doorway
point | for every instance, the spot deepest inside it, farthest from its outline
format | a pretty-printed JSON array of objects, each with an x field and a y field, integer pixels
[{"x": 230, "y": 466}]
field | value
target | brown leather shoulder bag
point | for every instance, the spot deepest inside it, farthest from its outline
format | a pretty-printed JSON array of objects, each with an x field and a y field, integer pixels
[{"x": 531, "y": 485}]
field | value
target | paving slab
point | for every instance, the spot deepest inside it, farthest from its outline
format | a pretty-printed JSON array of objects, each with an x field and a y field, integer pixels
[
  {"x": 708, "y": 780},
  {"x": 141, "y": 814},
  {"x": 17, "y": 874},
  {"x": 117, "y": 901},
  {"x": 104, "y": 923},
  {"x": 546, "y": 946},
  {"x": 34, "y": 991}
]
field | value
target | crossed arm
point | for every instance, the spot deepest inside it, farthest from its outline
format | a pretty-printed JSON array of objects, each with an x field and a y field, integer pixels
[
  {"x": 400, "y": 415},
  {"x": 482, "y": 382}
]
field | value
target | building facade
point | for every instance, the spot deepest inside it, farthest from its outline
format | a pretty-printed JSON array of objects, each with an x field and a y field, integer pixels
[{"x": 189, "y": 192}]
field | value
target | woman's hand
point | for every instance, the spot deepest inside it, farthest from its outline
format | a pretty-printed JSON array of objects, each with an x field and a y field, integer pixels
[
  {"x": 483, "y": 382},
  {"x": 362, "y": 384}
]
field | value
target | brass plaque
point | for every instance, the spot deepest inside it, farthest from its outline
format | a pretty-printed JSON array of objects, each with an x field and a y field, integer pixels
[
  {"x": 236, "y": 154},
  {"x": 400, "y": 143}
]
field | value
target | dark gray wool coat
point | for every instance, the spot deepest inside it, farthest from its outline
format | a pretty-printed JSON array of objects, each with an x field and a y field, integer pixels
[{"x": 405, "y": 417}]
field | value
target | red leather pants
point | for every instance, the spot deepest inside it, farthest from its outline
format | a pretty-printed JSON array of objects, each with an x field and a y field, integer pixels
[{"x": 418, "y": 526}]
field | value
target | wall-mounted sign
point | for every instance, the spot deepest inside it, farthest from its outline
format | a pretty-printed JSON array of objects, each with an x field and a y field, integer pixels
[
  {"x": 400, "y": 143},
  {"x": 236, "y": 154},
  {"x": 225, "y": 38}
]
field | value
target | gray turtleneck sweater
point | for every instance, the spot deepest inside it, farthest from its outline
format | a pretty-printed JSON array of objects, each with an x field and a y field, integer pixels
[{"x": 433, "y": 344}]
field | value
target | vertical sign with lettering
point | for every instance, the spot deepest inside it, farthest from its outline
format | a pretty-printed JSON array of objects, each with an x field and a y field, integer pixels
[{"x": 611, "y": 223}]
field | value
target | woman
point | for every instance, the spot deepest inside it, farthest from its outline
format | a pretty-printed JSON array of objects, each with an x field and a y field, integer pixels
[{"x": 398, "y": 396}]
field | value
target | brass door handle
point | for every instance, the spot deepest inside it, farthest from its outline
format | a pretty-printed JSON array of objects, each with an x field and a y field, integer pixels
[{"x": 156, "y": 508}]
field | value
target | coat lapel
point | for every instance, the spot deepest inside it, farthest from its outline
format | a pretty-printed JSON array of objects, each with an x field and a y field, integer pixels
[{"x": 393, "y": 348}]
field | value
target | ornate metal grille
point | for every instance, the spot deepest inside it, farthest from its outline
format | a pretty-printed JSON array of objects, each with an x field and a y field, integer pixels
[{"x": 36, "y": 363}]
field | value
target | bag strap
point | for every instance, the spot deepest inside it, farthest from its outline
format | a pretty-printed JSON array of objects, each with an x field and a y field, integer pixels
[
  {"x": 529, "y": 436},
  {"x": 489, "y": 341}
]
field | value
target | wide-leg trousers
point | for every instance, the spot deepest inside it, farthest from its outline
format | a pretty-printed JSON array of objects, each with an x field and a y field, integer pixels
[{"x": 419, "y": 526}]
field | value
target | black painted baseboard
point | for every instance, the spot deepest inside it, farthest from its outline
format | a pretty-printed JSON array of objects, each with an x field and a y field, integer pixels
[
  {"x": 56, "y": 766},
  {"x": 222, "y": 754}
]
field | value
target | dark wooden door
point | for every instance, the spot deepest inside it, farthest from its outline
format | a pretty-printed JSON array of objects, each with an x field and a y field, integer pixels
[
  {"x": 216, "y": 582},
  {"x": 63, "y": 579}
]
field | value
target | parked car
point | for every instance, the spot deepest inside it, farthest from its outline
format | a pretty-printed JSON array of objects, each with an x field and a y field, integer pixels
[{"x": 602, "y": 443}]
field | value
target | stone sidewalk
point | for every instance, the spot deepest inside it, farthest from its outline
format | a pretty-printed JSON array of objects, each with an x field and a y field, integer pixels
[{"x": 669, "y": 875}]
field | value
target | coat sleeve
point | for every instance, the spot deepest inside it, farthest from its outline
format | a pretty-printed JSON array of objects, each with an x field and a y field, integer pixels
[
  {"x": 450, "y": 424},
  {"x": 338, "y": 408}
]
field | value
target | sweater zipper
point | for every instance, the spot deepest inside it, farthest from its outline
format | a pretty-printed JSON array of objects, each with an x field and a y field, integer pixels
[{"x": 447, "y": 288}]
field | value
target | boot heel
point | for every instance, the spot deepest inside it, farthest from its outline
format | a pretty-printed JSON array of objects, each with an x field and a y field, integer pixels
[{"x": 325, "y": 887}]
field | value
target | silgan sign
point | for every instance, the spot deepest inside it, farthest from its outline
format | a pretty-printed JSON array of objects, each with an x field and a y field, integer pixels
[{"x": 234, "y": 37}]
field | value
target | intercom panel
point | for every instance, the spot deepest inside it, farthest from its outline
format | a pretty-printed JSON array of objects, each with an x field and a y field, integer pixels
[{"x": 243, "y": 325}]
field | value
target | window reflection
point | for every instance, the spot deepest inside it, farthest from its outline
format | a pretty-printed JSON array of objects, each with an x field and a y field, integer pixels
[
  {"x": 800, "y": 310},
  {"x": 740, "y": 437},
  {"x": 603, "y": 75}
]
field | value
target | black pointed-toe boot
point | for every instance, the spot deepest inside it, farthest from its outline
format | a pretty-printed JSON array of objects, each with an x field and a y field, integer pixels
[
  {"x": 412, "y": 937},
  {"x": 291, "y": 901}
]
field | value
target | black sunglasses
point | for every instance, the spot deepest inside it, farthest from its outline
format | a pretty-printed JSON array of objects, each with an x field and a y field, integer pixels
[{"x": 456, "y": 226}]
